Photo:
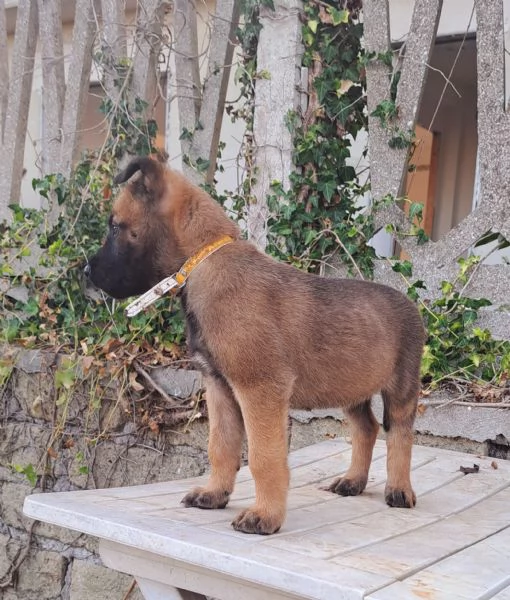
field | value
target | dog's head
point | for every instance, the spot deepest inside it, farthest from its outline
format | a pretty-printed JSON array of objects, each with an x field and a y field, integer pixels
[{"x": 158, "y": 220}]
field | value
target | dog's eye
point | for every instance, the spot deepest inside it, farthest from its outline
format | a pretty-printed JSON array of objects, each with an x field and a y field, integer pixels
[{"x": 115, "y": 229}]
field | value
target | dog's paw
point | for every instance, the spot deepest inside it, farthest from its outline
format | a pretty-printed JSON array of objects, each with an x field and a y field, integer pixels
[
  {"x": 253, "y": 521},
  {"x": 400, "y": 498},
  {"x": 203, "y": 498},
  {"x": 347, "y": 487}
]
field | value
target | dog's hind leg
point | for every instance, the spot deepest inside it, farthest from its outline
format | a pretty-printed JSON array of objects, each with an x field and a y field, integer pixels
[
  {"x": 226, "y": 432},
  {"x": 364, "y": 428},
  {"x": 265, "y": 414},
  {"x": 398, "y": 423}
]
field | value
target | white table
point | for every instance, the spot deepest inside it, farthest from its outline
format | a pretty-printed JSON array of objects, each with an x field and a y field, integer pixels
[{"x": 455, "y": 545}]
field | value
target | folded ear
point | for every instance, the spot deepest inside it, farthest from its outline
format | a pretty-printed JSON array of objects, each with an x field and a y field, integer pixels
[{"x": 152, "y": 177}]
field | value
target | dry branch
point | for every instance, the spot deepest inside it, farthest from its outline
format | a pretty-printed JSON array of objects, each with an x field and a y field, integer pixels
[{"x": 141, "y": 371}]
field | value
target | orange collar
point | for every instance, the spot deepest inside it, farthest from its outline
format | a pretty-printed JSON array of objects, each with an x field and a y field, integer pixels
[
  {"x": 184, "y": 272},
  {"x": 178, "y": 280}
]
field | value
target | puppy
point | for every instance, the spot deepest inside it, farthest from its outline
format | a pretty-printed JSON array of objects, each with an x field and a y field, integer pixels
[{"x": 267, "y": 337}]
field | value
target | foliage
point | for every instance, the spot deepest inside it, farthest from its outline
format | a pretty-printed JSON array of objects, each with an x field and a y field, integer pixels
[
  {"x": 415, "y": 213},
  {"x": 456, "y": 349},
  {"x": 56, "y": 310},
  {"x": 322, "y": 215}
]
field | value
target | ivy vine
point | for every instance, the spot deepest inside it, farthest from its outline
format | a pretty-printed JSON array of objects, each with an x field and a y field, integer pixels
[{"x": 323, "y": 219}]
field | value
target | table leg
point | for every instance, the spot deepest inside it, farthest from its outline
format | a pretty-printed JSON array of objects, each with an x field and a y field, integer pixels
[{"x": 153, "y": 590}]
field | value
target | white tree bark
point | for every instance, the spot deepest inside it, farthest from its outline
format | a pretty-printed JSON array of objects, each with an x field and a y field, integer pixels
[
  {"x": 279, "y": 54},
  {"x": 113, "y": 44},
  {"x": 206, "y": 138},
  {"x": 388, "y": 165},
  {"x": 53, "y": 75},
  {"x": 78, "y": 81},
  {"x": 200, "y": 106},
  {"x": 16, "y": 116},
  {"x": 4, "y": 70},
  {"x": 148, "y": 46},
  {"x": 434, "y": 262},
  {"x": 187, "y": 87}
]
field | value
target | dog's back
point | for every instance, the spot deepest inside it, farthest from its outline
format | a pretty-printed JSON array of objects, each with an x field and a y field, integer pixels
[{"x": 341, "y": 340}]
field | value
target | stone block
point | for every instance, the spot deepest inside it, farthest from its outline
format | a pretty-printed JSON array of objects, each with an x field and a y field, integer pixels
[
  {"x": 66, "y": 536},
  {"x": 12, "y": 496},
  {"x": 113, "y": 413},
  {"x": 9, "y": 548},
  {"x": 35, "y": 393},
  {"x": 89, "y": 580},
  {"x": 115, "y": 466},
  {"x": 178, "y": 383},
  {"x": 42, "y": 576},
  {"x": 23, "y": 443},
  {"x": 35, "y": 361}
]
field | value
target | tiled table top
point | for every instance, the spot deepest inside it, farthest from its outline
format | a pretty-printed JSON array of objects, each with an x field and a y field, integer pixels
[{"x": 454, "y": 545}]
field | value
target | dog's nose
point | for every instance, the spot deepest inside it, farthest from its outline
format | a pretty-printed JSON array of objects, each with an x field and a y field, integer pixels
[{"x": 87, "y": 269}]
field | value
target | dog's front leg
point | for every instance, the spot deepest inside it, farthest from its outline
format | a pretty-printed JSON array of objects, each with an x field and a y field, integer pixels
[
  {"x": 265, "y": 417},
  {"x": 226, "y": 432}
]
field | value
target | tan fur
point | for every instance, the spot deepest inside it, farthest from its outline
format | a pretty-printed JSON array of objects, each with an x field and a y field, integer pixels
[{"x": 268, "y": 338}]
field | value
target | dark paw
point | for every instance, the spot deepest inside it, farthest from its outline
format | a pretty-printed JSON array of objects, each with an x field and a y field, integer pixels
[
  {"x": 347, "y": 487},
  {"x": 201, "y": 498},
  {"x": 251, "y": 521},
  {"x": 400, "y": 498}
]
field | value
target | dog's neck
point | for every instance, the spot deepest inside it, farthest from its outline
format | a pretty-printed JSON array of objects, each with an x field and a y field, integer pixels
[
  {"x": 193, "y": 261},
  {"x": 177, "y": 281}
]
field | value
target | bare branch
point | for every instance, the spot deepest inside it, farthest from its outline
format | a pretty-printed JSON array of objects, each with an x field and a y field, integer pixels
[
  {"x": 206, "y": 138},
  {"x": 141, "y": 371}
]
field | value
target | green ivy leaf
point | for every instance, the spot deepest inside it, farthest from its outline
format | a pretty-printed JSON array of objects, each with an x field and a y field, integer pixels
[
  {"x": 403, "y": 266},
  {"x": 312, "y": 24},
  {"x": 65, "y": 375},
  {"x": 328, "y": 188},
  {"x": 338, "y": 16},
  {"x": 28, "y": 471},
  {"x": 415, "y": 210}
]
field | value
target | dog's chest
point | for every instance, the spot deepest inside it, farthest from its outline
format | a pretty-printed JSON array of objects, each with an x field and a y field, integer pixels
[{"x": 197, "y": 344}]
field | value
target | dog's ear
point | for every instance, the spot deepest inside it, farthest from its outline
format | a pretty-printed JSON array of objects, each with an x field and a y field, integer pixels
[{"x": 151, "y": 180}]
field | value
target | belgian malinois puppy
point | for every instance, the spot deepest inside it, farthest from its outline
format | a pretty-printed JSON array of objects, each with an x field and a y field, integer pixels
[{"x": 267, "y": 337}]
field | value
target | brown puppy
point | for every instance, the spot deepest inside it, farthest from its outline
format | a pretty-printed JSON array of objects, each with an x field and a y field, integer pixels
[{"x": 267, "y": 337}]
